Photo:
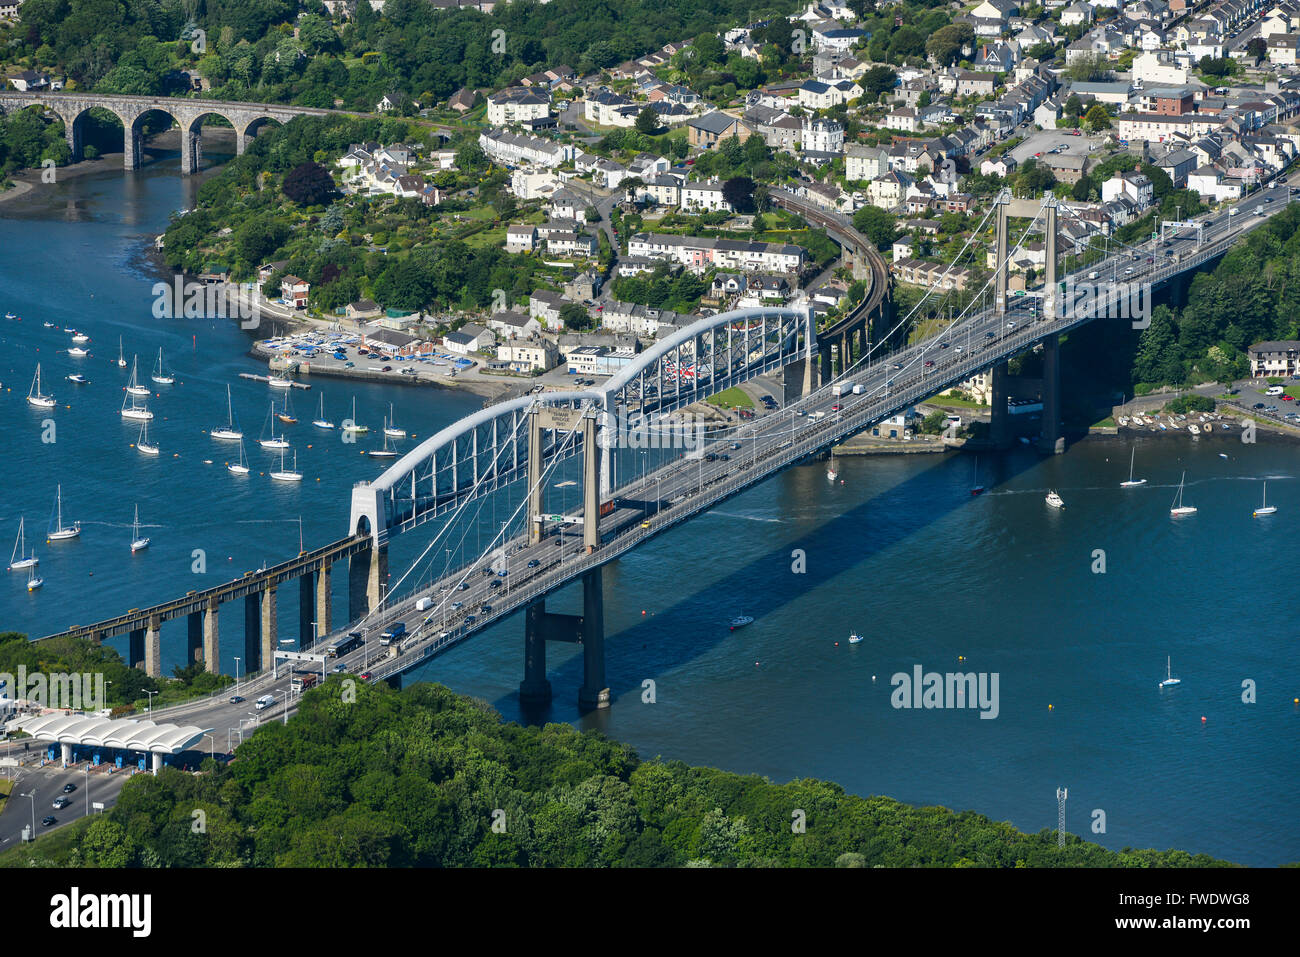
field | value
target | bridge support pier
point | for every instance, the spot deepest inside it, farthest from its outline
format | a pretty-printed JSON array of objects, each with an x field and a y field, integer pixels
[
  {"x": 135, "y": 648},
  {"x": 270, "y": 632},
  {"x": 241, "y": 141},
  {"x": 1050, "y": 439},
  {"x": 306, "y": 607},
  {"x": 534, "y": 476},
  {"x": 211, "y": 640},
  {"x": 999, "y": 425},
  {"x": 541, "y": 626},
  {"x": 367, "y": 581},
  {"x": 252, "y": 630},
  {"x": 324, "y": 602},
  {"x": 590, "y": 485},
  {"x": 153, "y": 648},
  {"x": 72, "y": 133},
  {"x": 194, "y": 640},
  {"x": 191, "y": 150},
  {"x": 594, "y": 692},
  {"x": 132, "y": 147}
]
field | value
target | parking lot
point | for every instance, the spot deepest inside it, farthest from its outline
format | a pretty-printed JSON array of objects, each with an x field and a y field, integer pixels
[{"x": 1044, "y": 140}]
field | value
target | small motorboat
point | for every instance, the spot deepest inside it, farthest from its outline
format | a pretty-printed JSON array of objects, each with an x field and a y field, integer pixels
[
  {"x": 740, "y": 621},
  {"x": 80, "y": 337},
  {"x": 1054, "y": 500},
  {"x": 854, "y": 638},
  {"x": 78, "y": 352},
  {"x": 79, "y": 379}
]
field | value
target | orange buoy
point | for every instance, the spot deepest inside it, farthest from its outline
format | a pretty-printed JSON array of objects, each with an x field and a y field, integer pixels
[
  {"x": 1049, "y": 707},
  {"x": 1202, "y": 719}
]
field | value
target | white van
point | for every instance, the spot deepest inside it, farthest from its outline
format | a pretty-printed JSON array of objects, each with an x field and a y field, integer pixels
[
  {"x": 1275, "y": 390},
  {"x": 265, "y": 701}
]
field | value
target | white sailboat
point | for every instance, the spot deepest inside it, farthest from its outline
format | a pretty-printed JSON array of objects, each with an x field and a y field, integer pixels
[
  {"x": 1169, "y": 675},
  {"x": 131, "y": 405},
  {"x": 240, "y": 467},
  {"x": 287, "y": 475},
  {"x": 352, "y": 425},
  {"x": 160, "y": 373},
  {"x": 1132, "y": 482},
  {"x": 59, "y": 533},
  {"x": 35, "y": 396},
  {"x": 143, "y": 444},
  {"x": 20, "y": 558},
  {"x": 134, "y": 387},
  {"x": 740, "y": 621},
  {"x": 274, "y": 442},
  {"x": 137, "y": 542},
  {"x": 227, "y": 431},
  {"x": 831, "y": 474},
  {"x": 1265, "y": 509},
  {"x": 1178, "y": 507},
  {"x": 320, "y": 421},
  {"x": 121, "y": 358},
  {"x": 1054, "y": 500},
  {"x": 390, "y": 428},
  {"x": 34, "y": 581},
  {"x": 385, "y": 452}
]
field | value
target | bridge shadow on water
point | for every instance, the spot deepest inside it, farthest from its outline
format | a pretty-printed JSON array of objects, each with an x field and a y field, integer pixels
[{"x": 852, "y": 537}]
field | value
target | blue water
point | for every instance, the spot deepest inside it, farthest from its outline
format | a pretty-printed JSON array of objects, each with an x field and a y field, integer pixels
[{"x": 900, "y": 552}]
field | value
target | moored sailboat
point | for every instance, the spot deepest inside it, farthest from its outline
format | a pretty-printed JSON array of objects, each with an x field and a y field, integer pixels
[
  {"x": 143, "y": 444},
  {"x": 320, "y": 421},
  {"x": 1265, "y": 508},
  {"x": 160, "y": 374},
  {"x": 1132, "y": 482},
  {"x": 390, "y": 428},
  {"x": 35, "y": 396},
  {"x": 227, "y": 431},
  {"x": 59, "y": 533},
  {"x": 20, "y": 558},
  {"x": 287, "y": 475},
  {"x": 138, "y": 542},
  {"x": 1178, "y": 507},
  {"x": 134, "y": 387},
  {"x": 240, "y": 467},
  {"x": 274, "y": 442},
  {"x": 1169, "y": 675}
]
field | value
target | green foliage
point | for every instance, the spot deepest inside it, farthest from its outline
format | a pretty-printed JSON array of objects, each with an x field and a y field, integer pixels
[
  {"x": 419, "y": 777},
  {"x": 661, "y": 289},
  {"x": 877, "y": 225},
  {"x": 1191, "y": 403}
]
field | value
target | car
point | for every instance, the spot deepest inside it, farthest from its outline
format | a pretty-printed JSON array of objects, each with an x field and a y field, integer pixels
[
  {"x": 725, "y": 457},
  {"x": 898, "y": 366},
  {"x": 1258, "y": 405},
  {"x": 69, "y": 788},
  {"x": 1075, "y": 133},
  {"x": 735, "y": 446},
  {"x": 470, "y": 619},
  {"x": 61, "y": 803},
  {"x": 1268, "y": 199},
  {"x": 1150, "y": 260},
  {"x": 349, "y": 365},
  {"x": 464, "y": 586},
  {"x": 943, "y": 345},
  {"x": 1233, "y": 391},
  {"x": 889, "y": 384},
  {"x": 1128, "y": 271},
  {"x": 929, "y": 363},
  {"x": 800, "y": 412},
  {"x": 1036, "y": 155},
  {"x": 366, "y": 676},
  {"x": 340, "y": 668},
  {"x": 645, "y": 524},
  {"x": 1288, "y": 398},
  {"x": 533, "y": 563},
  {"x": 956, "y": 348},
  {"x": 484, "y": 608},
  {"x": 456, "y": 604},
  {"x": 1011, "y": 323},
  {"x": 49, "y": 820},
  {"x": 495, "y": 583},
  {"x": 237, "y": 699},
  {"x": 837, "y": 406},
  {"x": 388, "y": 369},
  {"x": 988, "y": 335},
  {"x": 502, "y": 573}
]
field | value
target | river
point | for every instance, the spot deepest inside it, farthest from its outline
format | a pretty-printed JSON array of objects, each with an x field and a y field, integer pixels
[{"x": 899, "y": 553}]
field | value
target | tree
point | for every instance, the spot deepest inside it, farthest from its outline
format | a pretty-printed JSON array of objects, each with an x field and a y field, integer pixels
[
  {"x": 576, "y": 318},
  {"x": 309, "y": 184},
  {"x": 945, "y": 45},
  {"x": 1097, "y": 118},
  {"x": 1257, "y": 47},
  {"x": 877, "y": 225},
  {"x": 878, "y": 79},
  {"x": 739, "y": 192},
  {"x": 647, "y": 121},
  {"x": 1073, "y": 105}
]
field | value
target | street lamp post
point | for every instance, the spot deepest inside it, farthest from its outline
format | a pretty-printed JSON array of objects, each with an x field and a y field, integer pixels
[
  {"x": 236, "y": 676},
  {"x": 212, "y": 747},
  {"x": 32, "y": 794},
  {"x": 87, "y": 787},
  {"x": 286, "y": 705},
  {"x": 151, "y": 694}
]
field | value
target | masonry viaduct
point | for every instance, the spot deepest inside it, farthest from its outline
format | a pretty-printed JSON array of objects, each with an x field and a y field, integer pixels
[{"x": 189, "y": 115}]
